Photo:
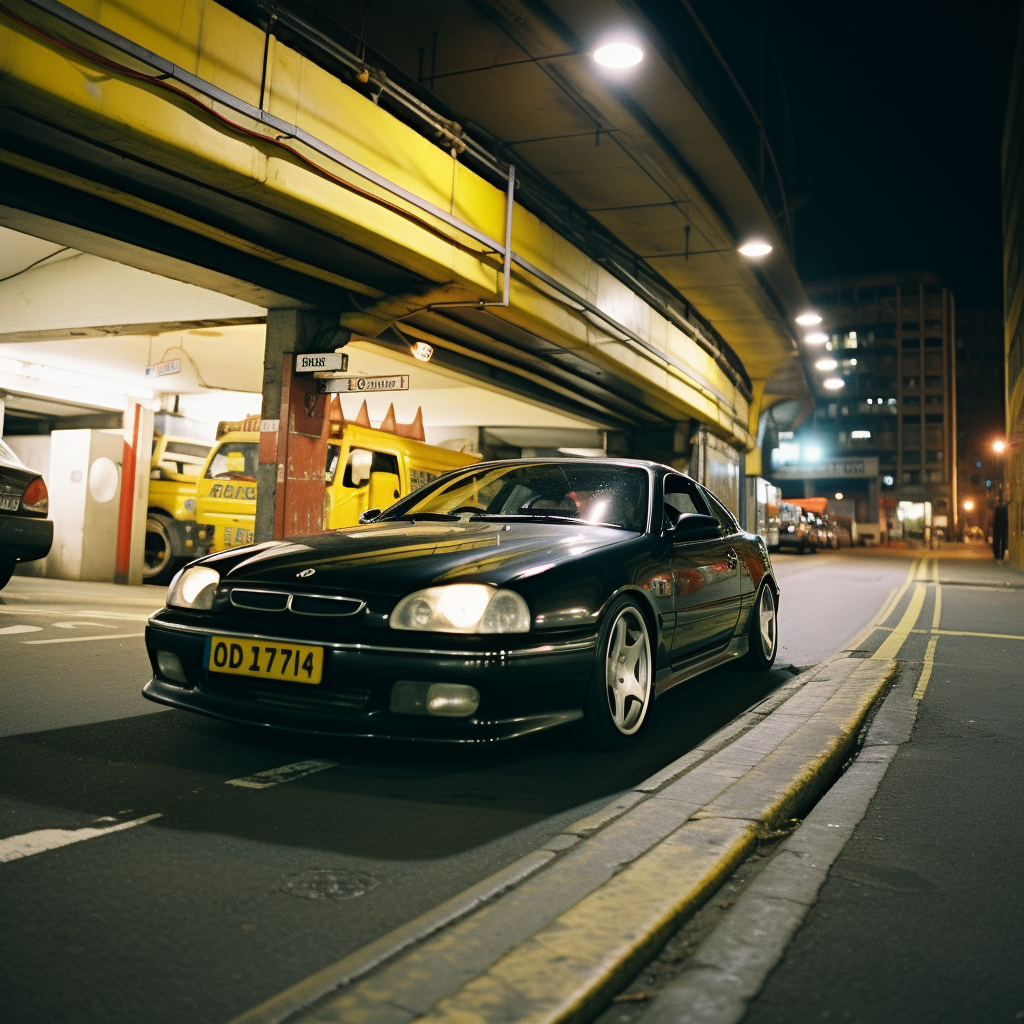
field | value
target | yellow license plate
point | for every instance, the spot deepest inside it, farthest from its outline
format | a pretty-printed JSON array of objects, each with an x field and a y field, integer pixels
[{"x": 284, "y": 663}]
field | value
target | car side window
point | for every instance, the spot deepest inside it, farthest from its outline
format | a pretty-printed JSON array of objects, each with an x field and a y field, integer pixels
[
  {"x": 682, "y": 496},
  {"x": 722, "y": 514}
]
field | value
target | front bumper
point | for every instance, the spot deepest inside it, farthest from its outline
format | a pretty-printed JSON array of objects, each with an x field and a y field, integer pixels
[
  {"x": 538, "y": 685},
  {"x": 25, "y": 538}
]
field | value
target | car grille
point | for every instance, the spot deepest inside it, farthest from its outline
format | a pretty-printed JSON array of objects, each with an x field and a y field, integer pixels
[
  {"x": 353, "y": 697},
  {"x": 318, "y": 605}
]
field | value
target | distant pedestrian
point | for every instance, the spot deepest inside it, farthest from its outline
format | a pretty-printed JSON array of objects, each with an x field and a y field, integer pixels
[{"x": 1000, "y": 530}]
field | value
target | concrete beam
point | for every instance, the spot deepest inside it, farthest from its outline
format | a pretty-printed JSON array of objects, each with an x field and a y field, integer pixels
[{"x": 81, "y": 295}]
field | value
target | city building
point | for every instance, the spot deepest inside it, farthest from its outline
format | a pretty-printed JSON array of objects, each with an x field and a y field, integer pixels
[
  {"x": 1013, "y": 298},
  {"x": 882, "y": 433},
  {"x": 980, "y": 415}
]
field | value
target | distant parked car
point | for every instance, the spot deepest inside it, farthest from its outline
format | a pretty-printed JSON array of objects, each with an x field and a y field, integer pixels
[
  {"x": 797, "y": 529},
  {"x": 25, "y": 532}
]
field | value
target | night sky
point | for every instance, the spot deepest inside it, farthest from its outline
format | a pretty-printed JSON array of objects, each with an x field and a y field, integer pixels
[{"x": 897, "y": 114}]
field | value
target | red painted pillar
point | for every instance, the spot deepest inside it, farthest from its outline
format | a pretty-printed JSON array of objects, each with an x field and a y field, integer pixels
[{"x": 133, "y": 453}]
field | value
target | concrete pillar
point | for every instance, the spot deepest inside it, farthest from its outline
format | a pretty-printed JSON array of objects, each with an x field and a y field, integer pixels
[{"x": 293, "y": 429}]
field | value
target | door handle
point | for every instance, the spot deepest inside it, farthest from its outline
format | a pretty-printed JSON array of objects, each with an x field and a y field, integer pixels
[{"x": 732, "y": 558}]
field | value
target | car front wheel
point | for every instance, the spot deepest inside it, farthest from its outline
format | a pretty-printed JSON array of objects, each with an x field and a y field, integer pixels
[{"x": 621, "y": 688}]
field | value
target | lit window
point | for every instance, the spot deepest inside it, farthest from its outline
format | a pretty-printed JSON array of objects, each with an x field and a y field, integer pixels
[
  {"x": 871, "y": 401},
  {"x": 892, "y": 401},
  {"x": 888, "y": 481},
  {"x": 860, "y": 435},
  {"x": 785, "y": 435}
]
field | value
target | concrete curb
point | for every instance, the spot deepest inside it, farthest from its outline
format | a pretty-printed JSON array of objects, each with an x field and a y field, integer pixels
[
  {"x": 593, "y": 905},
  {"x": 733, "y": 963}
]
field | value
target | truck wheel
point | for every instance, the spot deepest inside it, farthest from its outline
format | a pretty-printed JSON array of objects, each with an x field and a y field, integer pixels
[
  {"x": 6, "y": 571},
  {"x": 159, "y": 562}
]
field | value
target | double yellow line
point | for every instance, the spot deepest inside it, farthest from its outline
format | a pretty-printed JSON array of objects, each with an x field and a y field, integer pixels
[{"x": 921, "y": 569}]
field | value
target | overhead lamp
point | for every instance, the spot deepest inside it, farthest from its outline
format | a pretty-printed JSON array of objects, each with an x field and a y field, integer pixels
[
  {"x": 999, "y": 447},
  {"x": 754, "y": 248},
  {"x": 839, "y": 495},
  {"x": 816, "y": 338},
  {"x": 834, "y": 383},
  {"x": 422, "y": 351},
  {"x": 826, "y": 364},
  {"x": 968, "y": 505},
  {"x": 808, "y": 319},
  {"x": 618, "y": 55}
]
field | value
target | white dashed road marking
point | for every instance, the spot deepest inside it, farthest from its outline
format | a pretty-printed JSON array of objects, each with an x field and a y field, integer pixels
[
  {"x": 76, "y": 625},
  {"x": 287, "y": 773},
  {"x": 19, "y": 629},
  {"x": 82, "y": 639},
  {"x": 16, "y": 847}
]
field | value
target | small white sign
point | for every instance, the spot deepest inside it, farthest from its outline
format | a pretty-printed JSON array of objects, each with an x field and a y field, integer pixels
[
  {"x": 309, "y": 362},
  {"x": 162, "y": 369},
  {"x": 344, "y": 385}
]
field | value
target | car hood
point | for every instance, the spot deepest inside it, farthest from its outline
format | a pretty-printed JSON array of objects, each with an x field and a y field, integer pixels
[{"x": 397, "y": 557}]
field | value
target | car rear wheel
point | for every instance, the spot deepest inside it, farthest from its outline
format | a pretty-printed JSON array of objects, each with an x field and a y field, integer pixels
[
  {"x": 763, "y": 632},
  {"x": 159, "y": 563},
  {"x": 6, "y": 571},
  {"x": 621, "y": 688}
]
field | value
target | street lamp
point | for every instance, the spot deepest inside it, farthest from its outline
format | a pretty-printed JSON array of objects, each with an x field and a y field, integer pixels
[
  {"x": 999, "y": 447},
  {"x": 968, "y": 506},
  {"x": 618, "y": 55}
]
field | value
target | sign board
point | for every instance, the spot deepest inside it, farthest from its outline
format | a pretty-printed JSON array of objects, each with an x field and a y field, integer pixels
[
  {"x": 830, "y": 469},
  {"x": 363, "y": 385},
  {"x": 310, "y": 362},
  {"x": 162, "y": 369}
]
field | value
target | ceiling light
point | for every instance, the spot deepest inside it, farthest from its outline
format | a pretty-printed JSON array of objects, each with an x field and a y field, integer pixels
[
  {"x": 754, "y": 248},
  {"x": 816, "y": 338},
  {"x": 421, "y": 351},
  {"x": 839, "y": 495},
  {"x": 618, "y": 55},
  {"x": 834, "y": 383},
  {"x": 826, "y": 364},
  {"x": 808, "y": 319}
]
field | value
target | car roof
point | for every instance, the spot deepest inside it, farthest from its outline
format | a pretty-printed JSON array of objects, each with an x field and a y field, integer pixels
[{"x": 580, "y": 460}]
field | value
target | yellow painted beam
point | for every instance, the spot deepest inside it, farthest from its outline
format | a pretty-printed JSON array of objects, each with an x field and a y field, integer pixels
[{"x": 148, "y": 122}]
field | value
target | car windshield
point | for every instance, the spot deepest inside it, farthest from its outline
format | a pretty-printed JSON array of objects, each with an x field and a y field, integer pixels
[{"x": 602, "y": 495}]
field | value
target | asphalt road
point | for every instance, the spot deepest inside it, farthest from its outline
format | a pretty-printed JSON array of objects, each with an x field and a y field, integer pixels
[
  {"x": 922, "y": 916},
  {"x": 215, "y": 899}
]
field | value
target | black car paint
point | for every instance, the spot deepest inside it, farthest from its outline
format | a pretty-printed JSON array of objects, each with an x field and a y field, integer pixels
[
  {"x": 24, "y": 535},
  {"x": 696, "y": 597}
]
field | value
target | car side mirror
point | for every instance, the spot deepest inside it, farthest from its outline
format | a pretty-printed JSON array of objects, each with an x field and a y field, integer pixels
[
  {"x": 369, "y": 515},
  {"x": 693, "y": 526}
]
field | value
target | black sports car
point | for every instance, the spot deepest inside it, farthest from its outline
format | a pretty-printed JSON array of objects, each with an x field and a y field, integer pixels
[{"x": 499, "y": 599}]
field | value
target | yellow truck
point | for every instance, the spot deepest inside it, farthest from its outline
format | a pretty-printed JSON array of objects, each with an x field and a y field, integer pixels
[
  {"x": 171, "y": 540},
  {"x": 366, "y": 468}
]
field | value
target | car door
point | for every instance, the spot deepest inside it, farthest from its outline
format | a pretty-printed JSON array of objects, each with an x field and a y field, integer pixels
[
  {"x": 702, "y": 576},
  {"x": 736, "y": 583}
]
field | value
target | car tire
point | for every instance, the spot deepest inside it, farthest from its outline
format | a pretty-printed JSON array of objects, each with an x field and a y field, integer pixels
[
  {"x": 6, "y": 571},
  {"x": 159, "y": 563},
  {"x": 762, "y": 632},
  {"x": 620, "y": 692}
]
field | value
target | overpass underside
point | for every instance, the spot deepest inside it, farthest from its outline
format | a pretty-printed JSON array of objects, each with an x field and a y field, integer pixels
[{"x": 183, "y": 140}]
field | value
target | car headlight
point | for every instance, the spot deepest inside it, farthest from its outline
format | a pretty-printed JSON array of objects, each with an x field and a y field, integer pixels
[
  {"x": 193, "y": 588},
  {"x": 463, "y": 608}
]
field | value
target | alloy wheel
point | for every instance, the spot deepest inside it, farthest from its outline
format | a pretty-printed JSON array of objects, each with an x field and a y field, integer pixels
[
  {"x": 767, "y": 624},
  {"x": 628, "y": 671}
]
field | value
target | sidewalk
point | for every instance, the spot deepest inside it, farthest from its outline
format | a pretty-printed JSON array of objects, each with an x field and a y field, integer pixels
[{"x": 921, "y": 917}]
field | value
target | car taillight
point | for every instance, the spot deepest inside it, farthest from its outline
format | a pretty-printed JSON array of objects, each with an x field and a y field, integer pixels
[{"x": 35, "y": 498}]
